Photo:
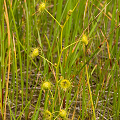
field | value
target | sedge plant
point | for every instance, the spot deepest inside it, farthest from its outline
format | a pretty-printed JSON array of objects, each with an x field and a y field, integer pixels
[{"x": 40, "y": 42}]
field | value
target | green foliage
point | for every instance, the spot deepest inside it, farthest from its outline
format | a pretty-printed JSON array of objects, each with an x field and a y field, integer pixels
[{"x": 66, "y": 44}]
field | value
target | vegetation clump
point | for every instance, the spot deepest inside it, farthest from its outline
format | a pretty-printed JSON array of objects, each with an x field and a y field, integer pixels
[{"x": 79, "y": 41}]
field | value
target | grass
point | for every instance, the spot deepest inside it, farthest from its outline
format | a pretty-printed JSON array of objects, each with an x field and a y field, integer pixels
[{"x": 64, "y": 78}]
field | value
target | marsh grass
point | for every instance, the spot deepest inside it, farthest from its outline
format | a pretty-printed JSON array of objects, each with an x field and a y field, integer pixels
[{"x": 57, "y": 29}]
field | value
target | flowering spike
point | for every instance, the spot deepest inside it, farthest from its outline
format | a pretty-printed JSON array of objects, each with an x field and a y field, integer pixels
[
  {"x": 42, "y": 7},
  {"x": 63, "y": 113},
  {"x": 84, "y": 39},
  {"x": 69, "y": 12},
  {"x": 47, "y": 115},
  {"x": 35, "y": 52},
  {"x": 46, "y": 85},
  {"x": 65, "y": 84}
]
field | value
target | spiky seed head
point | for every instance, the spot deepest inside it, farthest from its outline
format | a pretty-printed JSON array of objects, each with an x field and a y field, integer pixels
[
  {"x": 47, "y": 115},
  {"x": 35, "y": 52},
  {"x": 46, "y": 85},
  {"x": 65, "y": 84},
  {"x": 84, "y": 39},
  {"x": 42, "y": 7},
  {"x": 63, "y": 113},
  {"x": 69, "y": 12}
]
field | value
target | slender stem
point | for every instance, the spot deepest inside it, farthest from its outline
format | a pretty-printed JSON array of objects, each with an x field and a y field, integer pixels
[
  {"x": 89, "y": 85},
  {"x": 57, "y": 71},
  {"x": 46, "y": 100},
  {"x": 71, "y": 44},
  {"x": 8, "y": 31},
  {"x": 53, "y": 17},
  {"x": 47, "y": 61}
]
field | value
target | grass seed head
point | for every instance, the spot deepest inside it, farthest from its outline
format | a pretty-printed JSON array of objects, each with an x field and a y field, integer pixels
[
  {"x": 63, "y": 113},
  {"x": 65, "y": 84},
  {"x": 47, "y": 115},
  {"x": 84, "y": 39},
  {"x": 35, "y": 52},
  {"x": 46, "y": 85},
  {"x": 69, "y": 13},
  {"x": 42, "y": 7}
]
